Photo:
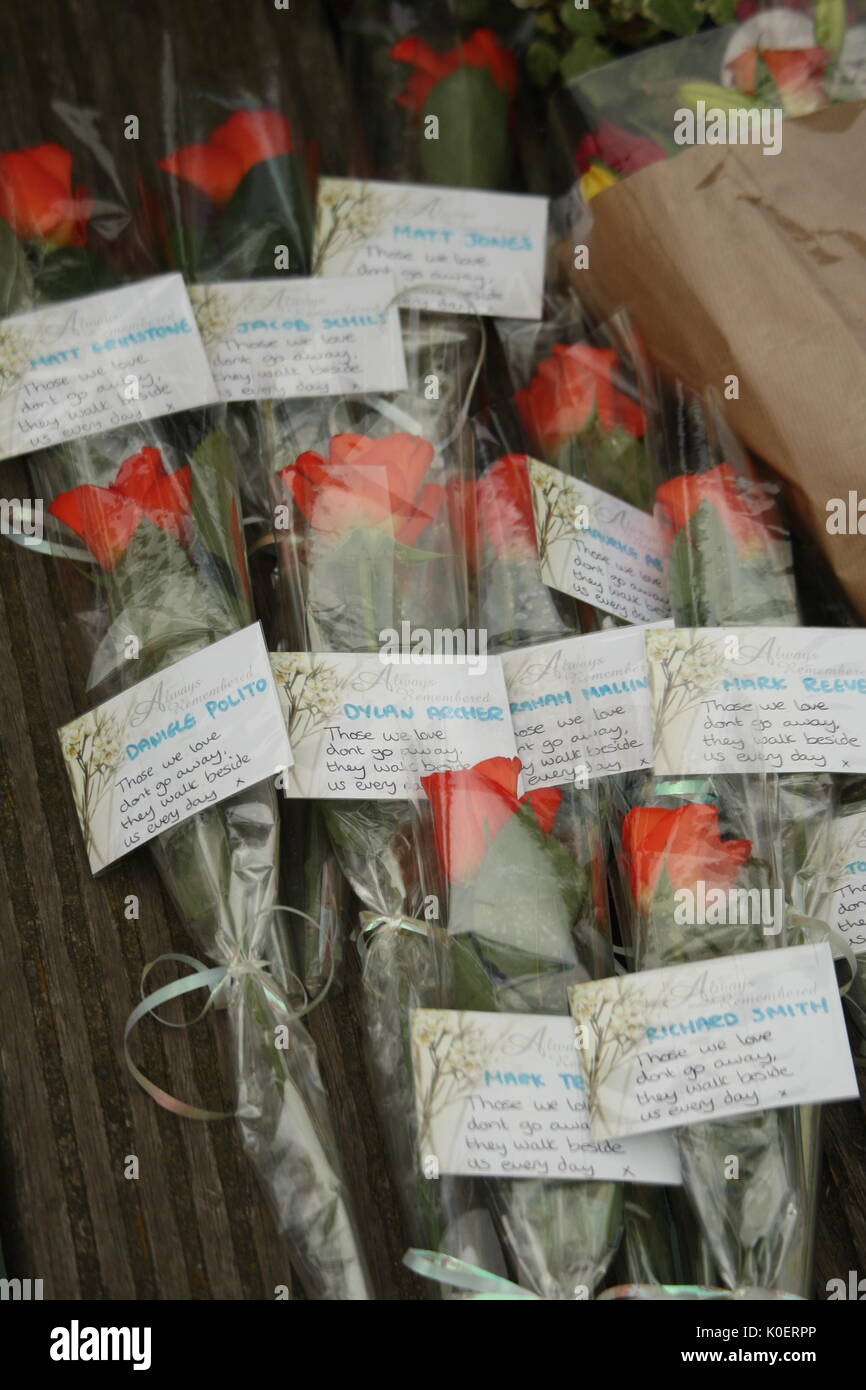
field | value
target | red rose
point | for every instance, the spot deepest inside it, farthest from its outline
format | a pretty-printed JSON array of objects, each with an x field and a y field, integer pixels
[
  {"x": 37, "y": 198},
  {"x": 569, "y": 389},
  {"x": 365, "y": 482},
  {"x": 481, "y": 50},
  {"x": 685, "y": 842},
  {"x": 244, "y": 140},
  {"x": 106, "y": 518},
  {"x": 471, "y": 805},
  {"x": 621, "y": 151},
  {"x": 505, "y": 509},
  {"x": 745, "y": 511}
]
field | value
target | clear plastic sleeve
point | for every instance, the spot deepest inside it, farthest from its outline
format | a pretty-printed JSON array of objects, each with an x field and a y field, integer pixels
[
  {"x": 147, "y": 522},
  {"x": 582, "y": 393},
  {"x": 617, "y": 119},
  {"x": 434, "y": 85},
  {"x": 520, "y": 890},
  {"x": 156, "y": 511}
]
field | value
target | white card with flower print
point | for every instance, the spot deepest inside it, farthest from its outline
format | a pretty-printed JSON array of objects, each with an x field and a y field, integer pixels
[
  {"x": 177, "y": 743},
  {"x": 845, "y": 861},
  {"x": 278, "y": 339},
  {"x": 712, "y": 1039},
  {"x": 580, "y": 707},
  {"x": 740, "y": 699},
  {"x": 501, "y": 1095},
  {"x": 452, "y": 250},
  {"x": 93, "y": 364},
  {"x": 598, "y": 549},
  {"x": 366, "y": 726}
]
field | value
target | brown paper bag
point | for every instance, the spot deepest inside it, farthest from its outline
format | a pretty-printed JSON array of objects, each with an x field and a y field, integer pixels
[{"x": 736, "y": 263}]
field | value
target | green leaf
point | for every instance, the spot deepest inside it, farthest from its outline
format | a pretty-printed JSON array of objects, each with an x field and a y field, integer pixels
[
  {"x": 518, "y": 912},
  {"x": 217, "y": 519},
  {"x": 72, "y": 271},
  {"x": 722, "y": 11},
  {"x": 472, "y": 150},
  {"x": 711, "y": 583},
  {"x": 270, "y": 208},
  {"x": 587, "y": 21},
  {"x": 674, "y": 16},
  {"x": 690, "y": 93},
  {"x": 583, "y": 55},
  {"x": 830, "y": 21},
  {"x": 542, "y": 62},
  {"x": 16, "y": 282},
  {"x": 156, "y": 594},
  {"x": 765, "y": 88},
  {"x": 408, "y": 555}
]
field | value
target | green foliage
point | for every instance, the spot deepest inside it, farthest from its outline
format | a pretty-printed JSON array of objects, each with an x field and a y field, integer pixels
[
  {"x": 583, "y": 55},
  {"x": 830, "y": 22},
  {"x": 586, "y": 22},
  {"x": 16, "y": 282},
  {"x": 270, "y": 207},
  {"x": 712, "y": 583},
  {"x": 72, "y": 271},
  {"x": 217, "y": 521},
  {"x": 542, "y": 62},
  {"x": 680, "y": 17},
  {"x": 472, "y": 150}
]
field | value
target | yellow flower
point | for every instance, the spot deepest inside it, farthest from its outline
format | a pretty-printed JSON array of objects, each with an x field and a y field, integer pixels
[{"x": 596, "y": 178}]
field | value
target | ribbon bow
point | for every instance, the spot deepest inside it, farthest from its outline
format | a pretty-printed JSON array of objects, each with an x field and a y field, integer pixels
[
  {"x": 215, "y": 979},
  {"x": 373, "y": 922}
]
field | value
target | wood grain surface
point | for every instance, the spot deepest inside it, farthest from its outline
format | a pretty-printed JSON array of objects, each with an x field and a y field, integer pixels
[{"x": 195, "y": 1224}]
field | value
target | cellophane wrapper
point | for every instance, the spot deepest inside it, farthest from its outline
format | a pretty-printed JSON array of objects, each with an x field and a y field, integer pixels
[
  {"x": 609, "y": 123},
  {"x": 146, "y": 521},
  {"x": 729, "y": 563},
  {"x": 520, "y": 887},
  {"x": 179, "y": 584},
  {"x": 585, "y": 400},
  {"x": 584, "y": 395},
  {"x": 366, "y": 495},
  {"x": 513, "y": 605},
  {"x": 430, "y": 59}
]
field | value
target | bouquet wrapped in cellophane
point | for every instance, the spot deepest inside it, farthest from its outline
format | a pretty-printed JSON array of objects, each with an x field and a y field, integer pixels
[
  {"x": 522, "y": 898},
  {"x": 227, "y": 195},
  {"x": 223, "y": 164},
  {"x": 580, "y": 392},
  {"x": 145, "y": 521},
  {"x": 492, "y": 513},
  {"x": 435, "y": 88},
  {"x": 367, "y": 495},
  {"x": 729, "y": 564}
]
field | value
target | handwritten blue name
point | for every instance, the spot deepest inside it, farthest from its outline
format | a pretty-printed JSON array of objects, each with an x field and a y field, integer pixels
[{"x": 471, "y": 241}]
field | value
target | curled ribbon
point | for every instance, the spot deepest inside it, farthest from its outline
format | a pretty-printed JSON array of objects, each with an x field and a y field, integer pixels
[
  {"x": 480, "y": 1283},
  {"x": 698, "y": 1293},
  {"x": 372, "y": 922},
  {"x": 486, "y": 1287},
  {"x": 215, "y": 979}
]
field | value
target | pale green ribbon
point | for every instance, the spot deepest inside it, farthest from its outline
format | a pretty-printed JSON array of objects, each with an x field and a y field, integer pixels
[
  {"x": 373, "y": 922},
  {"x": 698, "y": 1293},
  {"x": 482, "y": 1286},
  {"x": 215, "y": 979},
  {"x": 479, "y": 1283},
  {"x": 43, "y": 547}
]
